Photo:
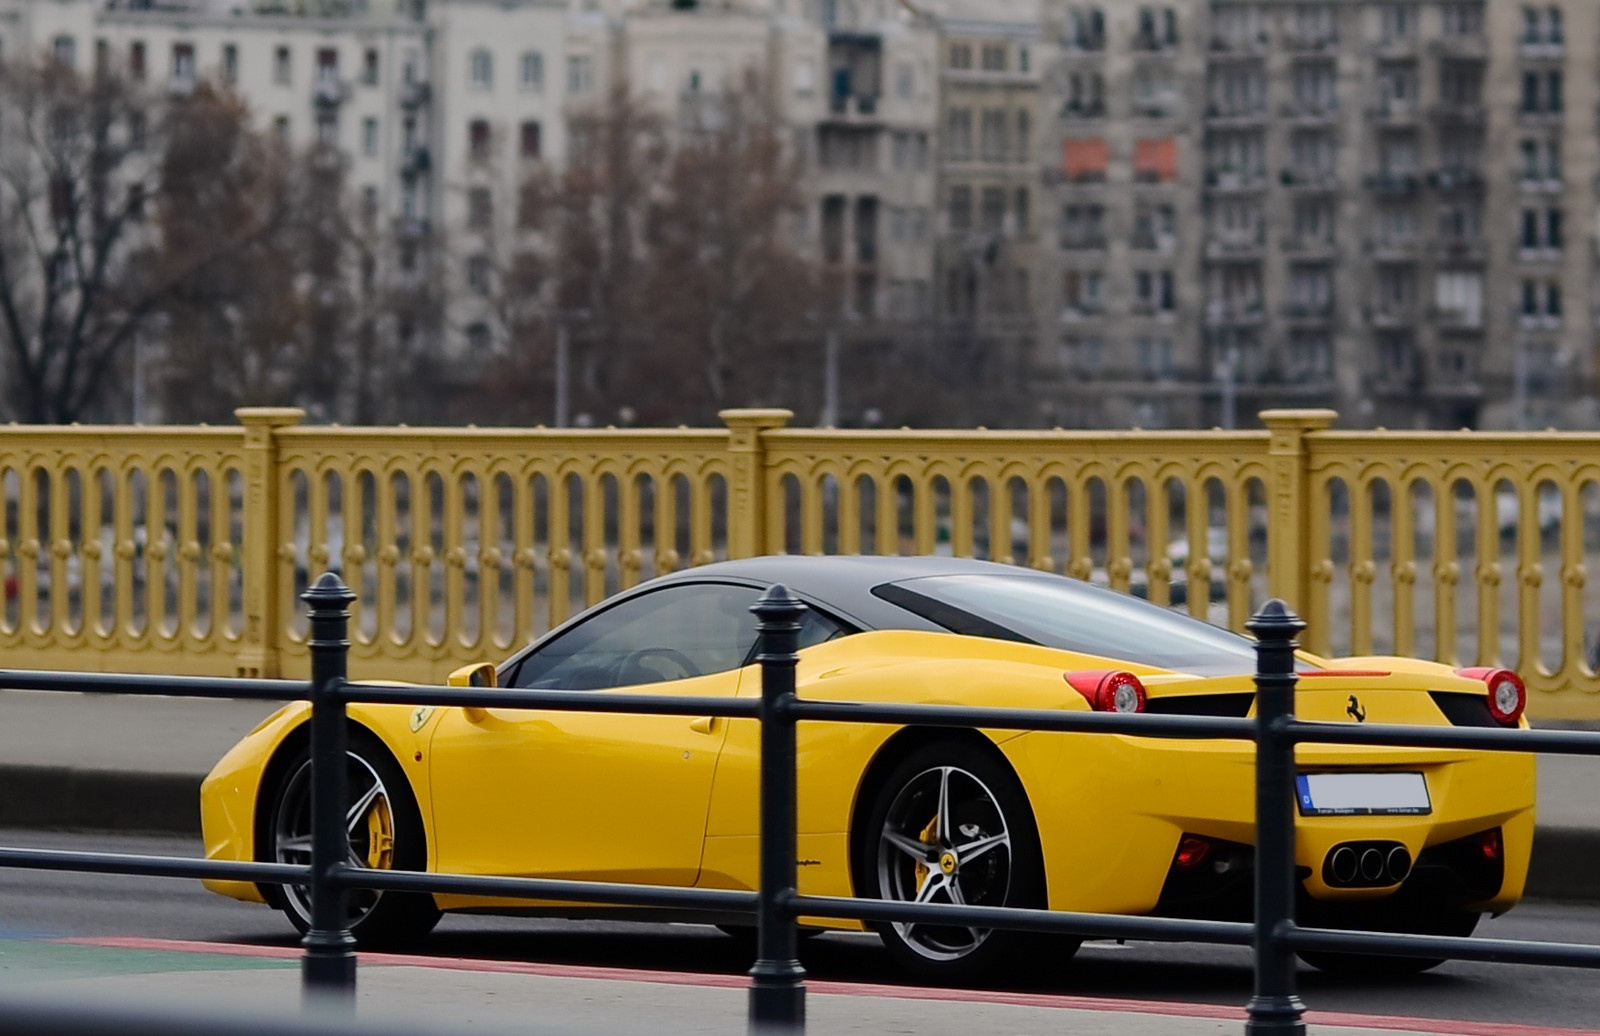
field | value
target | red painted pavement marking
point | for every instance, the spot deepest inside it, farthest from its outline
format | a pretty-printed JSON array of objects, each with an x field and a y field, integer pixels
[{"x": 975, "y": 996}]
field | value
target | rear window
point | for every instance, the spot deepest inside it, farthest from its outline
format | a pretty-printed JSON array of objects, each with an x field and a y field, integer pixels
[{"x": 1072, "y": 615}]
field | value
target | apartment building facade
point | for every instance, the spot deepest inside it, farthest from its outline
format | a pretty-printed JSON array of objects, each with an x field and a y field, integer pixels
[{"x": 1380, "y": 206}]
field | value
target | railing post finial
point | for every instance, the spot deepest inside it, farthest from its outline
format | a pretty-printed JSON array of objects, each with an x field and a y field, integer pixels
[
  {"x": 328, "y": 969},
  {"x": 1276, "y": 1008},
  {"x": 777, "y": 989}
]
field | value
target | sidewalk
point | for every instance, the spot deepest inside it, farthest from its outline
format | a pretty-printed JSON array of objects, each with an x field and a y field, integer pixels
[
  {"x": 453, "y": 996},
  {"x": 122, "y": 763}
]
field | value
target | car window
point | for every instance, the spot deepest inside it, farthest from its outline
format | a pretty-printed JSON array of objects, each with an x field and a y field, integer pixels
[
  {"x": 668, "y": 634},
  {"x": 1070, "y": 614}
]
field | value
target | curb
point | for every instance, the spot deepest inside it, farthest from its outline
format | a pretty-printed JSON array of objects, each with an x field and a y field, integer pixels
[{"x": 51, "y": 798}]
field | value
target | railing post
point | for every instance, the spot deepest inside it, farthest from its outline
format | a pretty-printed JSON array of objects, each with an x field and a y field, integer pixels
[
  {"x": 328, "y": 969},
  {"x": 258, "y": 560},
  {"x": 747, "y": 512},
  {"x": 777, "y": 988},
  {"x": 1275, "y": 1009},
  {"x": 1288, "y": 527}
]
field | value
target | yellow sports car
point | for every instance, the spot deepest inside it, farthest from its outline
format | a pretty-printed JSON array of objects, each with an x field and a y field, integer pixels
[{"x": 1388, "y": 839}]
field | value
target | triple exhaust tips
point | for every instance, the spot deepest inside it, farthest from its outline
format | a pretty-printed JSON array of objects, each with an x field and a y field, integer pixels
[{"x": 1354, "y": 865}]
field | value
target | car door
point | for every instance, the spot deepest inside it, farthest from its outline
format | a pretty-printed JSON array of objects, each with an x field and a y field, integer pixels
[{"x": 597, "y": 795}]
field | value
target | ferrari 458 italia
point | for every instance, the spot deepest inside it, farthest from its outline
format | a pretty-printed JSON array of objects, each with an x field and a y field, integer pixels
[{"x": 1413, "y": 840}]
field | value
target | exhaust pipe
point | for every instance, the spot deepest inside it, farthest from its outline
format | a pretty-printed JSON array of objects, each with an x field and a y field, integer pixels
[
  {"x": 1371, "y": 866},
  {"x": 1342, "y": 865},
  {"x": 1398, "y": 864}
]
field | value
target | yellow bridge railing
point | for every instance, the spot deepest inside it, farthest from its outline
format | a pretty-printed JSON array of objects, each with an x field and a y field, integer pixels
[{"x": 183, "y": 549}]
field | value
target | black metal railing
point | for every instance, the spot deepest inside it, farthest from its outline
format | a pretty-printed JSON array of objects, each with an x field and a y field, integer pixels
[{"x": 777, "y": 990}]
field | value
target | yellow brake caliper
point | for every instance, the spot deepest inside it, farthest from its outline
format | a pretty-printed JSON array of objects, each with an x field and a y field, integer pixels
[
  {"x": 380, "y": 835},
  {"x": 927, "y": 837}
]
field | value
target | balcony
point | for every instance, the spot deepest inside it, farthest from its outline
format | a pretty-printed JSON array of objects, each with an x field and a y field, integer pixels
[
  {"x": 1310, "y": 114},
  {"x": 1308, "y": 314},
  {"x": 1394, "y": 185},
  {"x": 1393, "y": 316},
  {"x": 1460, "y": 48},
  {"x": 1456, "y": 319},
  {"x": 1394, "y": 250},
  {"x": 1542, "y": 49},
  {"x": 1397, "y": 48},
  {"x": 855, "y": 109},
  {"x": 1315, "y": 181},
  {"x": 1540, "y": 116},
  {"x": 1393, "y": 114},
  {"x": 1239, "y": 48},
  {"x": 1309, "y": 249},
  {"x": 412, "y": 228},
  {"x": 1459, "y": 113},
  {"x": 1081, "y": 312},
  {"x": 415, "y": 162},
  {"x": 1226, "y": 313},
  {"x": 329, "y": 91},
  {"x": 1302, "y": 44},
  {"x": 1456, "y": 179},
  {"x": 1156, "y": 107},
  {"x": 1241, "y": 248},
  {"x": 1074, "y": 110},
  {"x": 1540, "y": 184},
  {"x": 1536, "y": 321},
  {"x": 414, "y": 95},
  {"x": 1235, "y": 181},
  {"x": 1218, "y": 117},
  {"x": 1462, "y": 249},
  {"x": 1083, "y": 242}
]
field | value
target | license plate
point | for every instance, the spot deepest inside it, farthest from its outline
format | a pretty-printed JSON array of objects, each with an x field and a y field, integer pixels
[{"x": 1363, "y": 794}]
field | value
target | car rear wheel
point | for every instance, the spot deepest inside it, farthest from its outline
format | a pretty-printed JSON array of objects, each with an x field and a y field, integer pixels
[
  {"x": 385, "y": 832},
  {"x": 951, "y": 824},
  {"x": 1441, "y": 921}
]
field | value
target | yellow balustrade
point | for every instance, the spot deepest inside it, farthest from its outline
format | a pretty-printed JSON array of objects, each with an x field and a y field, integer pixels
[{"x": 184, "y": 549}]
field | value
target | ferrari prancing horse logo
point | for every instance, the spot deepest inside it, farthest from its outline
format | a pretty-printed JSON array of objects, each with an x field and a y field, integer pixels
[
  {"x": 1355, "y": 709},
  {"x": 419, "y": 716},
  {"x": 947, "y": 863}
]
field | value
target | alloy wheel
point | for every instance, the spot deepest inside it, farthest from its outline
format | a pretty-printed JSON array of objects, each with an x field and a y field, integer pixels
[{"x": 369, "y": 827}]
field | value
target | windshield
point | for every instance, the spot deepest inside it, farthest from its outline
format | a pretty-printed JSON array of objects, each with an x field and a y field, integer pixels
[{"x": 1073, "y": 615}]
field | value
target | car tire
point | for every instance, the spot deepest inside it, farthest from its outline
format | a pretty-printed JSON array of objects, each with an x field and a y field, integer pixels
[
  {"x": 387, "y": 834},
  {"x": 1441, "y": 921},
  {"x": 947, "y": 796}
]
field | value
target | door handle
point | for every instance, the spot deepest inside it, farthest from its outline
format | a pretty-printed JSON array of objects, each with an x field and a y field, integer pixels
[{"x": 703, "y": 724}]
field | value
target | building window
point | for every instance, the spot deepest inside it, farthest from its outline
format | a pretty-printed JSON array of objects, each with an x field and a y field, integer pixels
[
  {"x": 993, "y": 138},
  {"x": 993, "y": 209},
  {"x": 280, "y": 130},
  {"x": 1155, "y": 160},
  {"x": 480, "y": 208},
  {"x": 960, "y": 208},
  {"x": 369, "y": 137},
  {"x": 183, "y": 64},
  {"x": 480, "y": 277},
  {"x": 230, "y": 62},
  {"x": 1398, "y": 22},
  {"x": 532, "y": 145},
  {"x": 959, "y": 134},
  {"x": 480, "y": 70},
  {"x": 65, "y": 51},
  {"x": 137, "y": 69},
  {"x": 961, "y": 55},
  {"x": 533, "y": 72},
  {"x": 994, "y": 57},
  {"x": 479, "y": 139},
  {"x": 580, "y": 74},
  {"x": 282, "y": 67},
  {"x": 1024, "y": 148},
  {"x": 369, "y": 67},
  {"x": 905, "y": 80}
]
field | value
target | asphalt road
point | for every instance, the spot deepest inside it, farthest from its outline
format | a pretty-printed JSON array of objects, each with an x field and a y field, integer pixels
[{"x": 34, "y": 904}]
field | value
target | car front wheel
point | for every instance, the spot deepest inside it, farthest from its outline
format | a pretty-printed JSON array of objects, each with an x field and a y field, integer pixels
[
  {"x": 384, "y": 831},
  {"x": 952, "y": 825}
]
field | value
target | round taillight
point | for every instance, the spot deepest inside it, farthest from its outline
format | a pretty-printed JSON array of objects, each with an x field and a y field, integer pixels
[
  {"x": 1109, "y": 690},
  {"x": 1508, "y": 695}
]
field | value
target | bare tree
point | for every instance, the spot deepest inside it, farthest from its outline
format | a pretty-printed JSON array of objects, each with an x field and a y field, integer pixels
[{"x": 93, "y": 169}]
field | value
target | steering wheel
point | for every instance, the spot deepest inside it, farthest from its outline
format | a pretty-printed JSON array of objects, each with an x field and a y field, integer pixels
[{"x": 633, "y": 670}]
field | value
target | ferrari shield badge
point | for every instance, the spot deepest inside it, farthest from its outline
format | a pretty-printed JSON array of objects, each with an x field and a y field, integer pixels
[{"x": 419, "y": 716}]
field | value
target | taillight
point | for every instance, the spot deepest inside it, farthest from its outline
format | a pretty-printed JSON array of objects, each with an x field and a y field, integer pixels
[
  {"x": 1192, "y": 851},
  {"x": 1490, "y": 845},
  {"x": 1508, "y": 696},
  {"x": 1108, "y": 690}
]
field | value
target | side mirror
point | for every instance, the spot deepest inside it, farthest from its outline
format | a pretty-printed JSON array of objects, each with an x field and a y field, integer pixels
[{"x": 478, "y": 674}]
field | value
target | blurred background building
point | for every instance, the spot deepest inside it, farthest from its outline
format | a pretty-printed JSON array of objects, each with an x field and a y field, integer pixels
[{"x": 1160, "y": 214}]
